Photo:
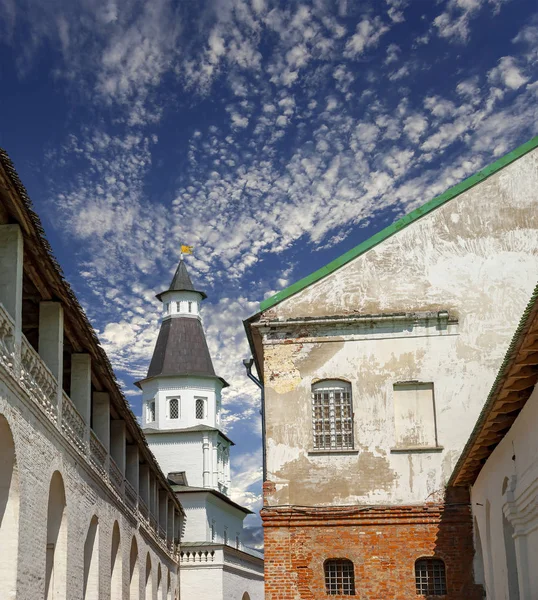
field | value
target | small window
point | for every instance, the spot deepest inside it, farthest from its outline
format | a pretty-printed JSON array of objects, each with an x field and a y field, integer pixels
[
  {"x": 166, "y": 307},
  {"x": 339, "y": 577},
  {"x": 332, "y": 415},
  {"x": 150, "y": 415},
  {"x": 213, "y": 530},
  {"x": 430, "y": 577},
  {"x": 225, "y": 537},
  {"x": 200, "y": 408},
  {"x": 178, "y": 305},
  {"x": 237, "y": 542},
  {"x": 174, "y": 408},
  {"x": 190, "y": 307}
]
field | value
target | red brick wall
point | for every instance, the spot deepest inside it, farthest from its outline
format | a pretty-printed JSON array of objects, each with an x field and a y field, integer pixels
[{"x": 382, "y": 542}]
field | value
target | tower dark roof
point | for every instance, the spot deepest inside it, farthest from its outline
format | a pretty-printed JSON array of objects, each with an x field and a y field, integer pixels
[{"x": 181, "y": 282}]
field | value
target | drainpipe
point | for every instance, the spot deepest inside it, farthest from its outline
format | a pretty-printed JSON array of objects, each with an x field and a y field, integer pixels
[{"x": 248, "y": 362}]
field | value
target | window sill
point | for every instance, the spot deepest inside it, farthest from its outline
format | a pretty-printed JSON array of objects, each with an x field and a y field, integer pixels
[
  {"x": 331, "y": 451},
  {"x": 416, "y": 449}
]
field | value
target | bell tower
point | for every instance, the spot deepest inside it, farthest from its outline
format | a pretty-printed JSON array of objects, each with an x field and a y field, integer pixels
[{"x": 182, "y": 394}]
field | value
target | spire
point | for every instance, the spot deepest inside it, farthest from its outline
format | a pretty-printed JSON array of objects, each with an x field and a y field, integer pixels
[{"x": 181, "y": 282}]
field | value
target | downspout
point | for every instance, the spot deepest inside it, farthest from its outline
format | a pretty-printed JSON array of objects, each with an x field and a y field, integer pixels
[{"x": 248, "y": 362}]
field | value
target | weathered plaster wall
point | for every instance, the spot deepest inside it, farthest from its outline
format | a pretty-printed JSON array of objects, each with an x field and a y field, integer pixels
[
  {"x": 475, "y": 257},
  {"x": 508, "y": 485}
]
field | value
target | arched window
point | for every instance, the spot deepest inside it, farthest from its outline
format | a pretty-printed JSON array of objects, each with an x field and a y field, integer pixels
[
  {"x": 430, "y": 577},
  {"x": 200, "y": 408},
  {"x": 149, "y": 578},
  {"x": 150, "y": 414},
  {"x": 91, "y": 562},
  {"x": 9, "y": 512},
  {"x": 173, "y": 408},
  {"x": 56, "y": 559},
  {"x": 332, "y": 415},
  {"x": 115, "y": 564},
  {"x": 134, "y": 573},
  {"x": 339, "y": 577}
]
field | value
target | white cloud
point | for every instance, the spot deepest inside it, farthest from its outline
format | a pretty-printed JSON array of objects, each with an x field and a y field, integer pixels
[
  {"x": 507, "y": 73},
  {"x": 368, "y": 34}
]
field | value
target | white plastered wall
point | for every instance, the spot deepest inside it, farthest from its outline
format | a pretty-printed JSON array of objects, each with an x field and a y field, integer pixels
[
  {"x": 475, "y": 257},
  {"x": 513, "y": 466}
]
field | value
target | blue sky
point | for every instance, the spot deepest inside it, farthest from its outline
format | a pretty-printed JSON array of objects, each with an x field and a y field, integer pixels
[{"x": 271, "y": 136}]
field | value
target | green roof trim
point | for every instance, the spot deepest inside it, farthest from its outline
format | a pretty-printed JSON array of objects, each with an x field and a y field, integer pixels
[{"x": 414, "y": 215}]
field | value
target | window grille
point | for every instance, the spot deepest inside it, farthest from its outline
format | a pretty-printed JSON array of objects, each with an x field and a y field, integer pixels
[
  {"x": 332, "y": 416},
  {"x": 200, "y": 408},
  {"x": 339, "y": 577},
  {"x": 174, "y": 408},
  {"x": 430, "y": 577},
  {"x": 151, "y": 412}
]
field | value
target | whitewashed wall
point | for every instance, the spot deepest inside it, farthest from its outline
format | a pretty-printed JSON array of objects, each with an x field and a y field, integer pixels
[
  {"x": 507, "y": 486},
  {"x": 475, "y": 257}
]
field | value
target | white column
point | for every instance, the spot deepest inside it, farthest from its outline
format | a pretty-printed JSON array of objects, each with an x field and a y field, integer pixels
[
  {"x": 118, "y": 443},
  {"x": 131, "y": 471},
  {"x": 215, "y": 465},
  {"x": 81, "y": 384},
  {"x": 11, "y": 261},
  {"x": 51, "y": 343},
  {"x": 101, "y": 417},
  {"x": 206, "y": 450}
]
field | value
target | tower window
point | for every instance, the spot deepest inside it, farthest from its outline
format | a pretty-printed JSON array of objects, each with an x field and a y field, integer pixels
[
  {"x": 225, "y": 536},
  {"x": 213, "y": 530},
  {"x": 332, "y": 415},
  {"x": 190, "y": 307},
  {"x": 150, "y": 415},
  {"x": 200, "y": 408},
  {"x": 339, "y": 577},
  {"x": 430, "y": 577},
  {"x": 174, "y": 408},
  {"x": 166, "y": 307},
  {"x": 237, "y": 542},
  {"x": 178, "y": 304}
]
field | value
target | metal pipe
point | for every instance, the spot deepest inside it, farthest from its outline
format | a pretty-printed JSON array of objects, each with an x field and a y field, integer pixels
[{"x": 248, "y": 362}]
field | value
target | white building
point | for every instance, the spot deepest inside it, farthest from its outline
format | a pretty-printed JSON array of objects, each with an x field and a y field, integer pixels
[
  {"x": 181, "y": 420},
  {"x": 85, "y": 511},
  {"x": 500, "y": 462}
]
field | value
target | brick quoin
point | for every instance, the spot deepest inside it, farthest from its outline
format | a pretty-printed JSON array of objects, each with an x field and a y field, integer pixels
[{"x": 383, "y": 543}]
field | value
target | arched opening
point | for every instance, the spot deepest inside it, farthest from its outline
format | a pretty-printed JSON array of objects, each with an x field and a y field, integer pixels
[
  {"x": 511, "y": 559},
  {"x": 134, "y": 574},
  {"x": 159, "y": 582},
  {"x": 56, "y": 561},
  {"x": 91, "y": 561},
  {"x": 169, "y": 587},
  {"x": 478, "y": 564},
  {"x": 9, "y": 513},
  {"x": 149, "y": 579},
  {"x": 245, "y": 596},
  {"x": 115, "y": 564}
]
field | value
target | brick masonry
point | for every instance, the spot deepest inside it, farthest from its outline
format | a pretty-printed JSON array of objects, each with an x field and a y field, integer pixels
[{"x": 382, "y": 542}]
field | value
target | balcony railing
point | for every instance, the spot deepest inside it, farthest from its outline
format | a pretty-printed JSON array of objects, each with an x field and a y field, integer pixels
[
  {"x": 37, "y": 380},
  {"x": 27, "y": 368}
]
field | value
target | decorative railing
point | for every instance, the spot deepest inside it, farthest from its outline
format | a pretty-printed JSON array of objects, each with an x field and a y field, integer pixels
[
  {"x": 116, "y": 476},
  {"x": 37, "y": 380},
  {"x": 131, "y": 497},
  {"x": 197, "y": 556},
  {"x": 143, "y": 509},
  {"x": 7, "y": 339},
  {"x": 72, "y": 423},
  {"x": 98, "y": 454}
]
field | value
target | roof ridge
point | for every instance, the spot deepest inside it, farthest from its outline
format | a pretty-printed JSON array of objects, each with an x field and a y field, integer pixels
[{"x": 406, "y": 220}]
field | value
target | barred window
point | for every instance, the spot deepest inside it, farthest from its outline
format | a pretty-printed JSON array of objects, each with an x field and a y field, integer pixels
[
  {"x": 332, "y": 415},
  {"x": 200, "y": 408},
  {"x": 151, "y": 412},
  {"x": 174, "y": 408},
  {"x": 430, "y": 577},
  {"x": 339, "y": 577}
]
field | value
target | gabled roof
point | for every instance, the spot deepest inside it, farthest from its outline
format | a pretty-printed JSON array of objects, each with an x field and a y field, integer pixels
[
  {"x": 512, "y": 388},
  {"x": 181, "y": 282},
  {"x": 398, "y": 225}
]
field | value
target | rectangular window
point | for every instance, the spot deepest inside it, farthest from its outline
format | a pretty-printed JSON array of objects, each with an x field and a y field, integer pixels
[
  {"x": 190, "y": 306},
  {"x": 332, "y": 416},
  {"x": 150, "y": 415},
  {"x": 225, "y": 537},
  {"x": 414, "y": 415},
  {"x": 178, "y": 304},
  {"x": 200, "y": 408}
]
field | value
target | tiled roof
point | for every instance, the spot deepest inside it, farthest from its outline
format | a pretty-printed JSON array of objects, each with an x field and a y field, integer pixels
[{"x": 181, "y": 282}]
